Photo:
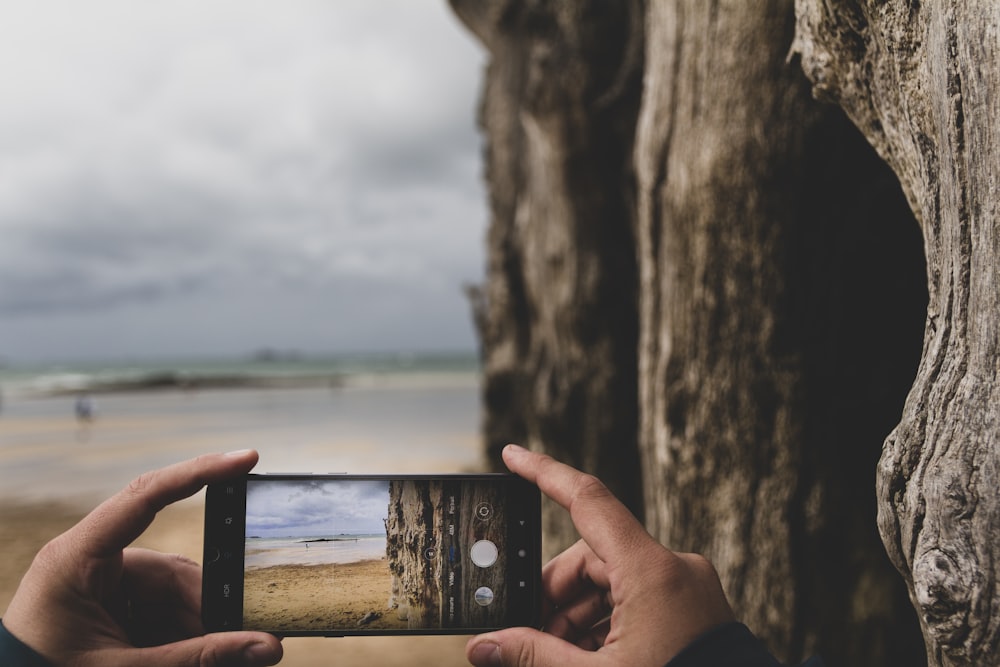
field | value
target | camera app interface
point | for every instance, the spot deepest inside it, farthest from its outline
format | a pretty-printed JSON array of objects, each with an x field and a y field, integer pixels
[{"x": 374, "y": 555}]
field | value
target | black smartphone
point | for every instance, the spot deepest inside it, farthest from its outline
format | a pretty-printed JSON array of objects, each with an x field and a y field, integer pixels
[{"x": 336, "y": 555}]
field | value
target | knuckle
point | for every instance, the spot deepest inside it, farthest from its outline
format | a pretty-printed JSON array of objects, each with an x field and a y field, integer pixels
[
  {"x": 181, "y": 568},
  {"x": 589, "y": 487},
  {"x": 141, "y": 484},
  {"x": 184, "y": 561},
  {"x": 699, "y": 565},
  {"x": 209, "y": 656},
  {"x": 524, "y": 655},
  {"x": 139, "y": 491},
  {"x": 661, "y": 569}
]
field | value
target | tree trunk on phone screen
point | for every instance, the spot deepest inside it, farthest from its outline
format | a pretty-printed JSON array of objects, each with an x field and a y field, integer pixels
[
  {"x": 413, "y": 528},
  {"x": 557, "y": 315},
  {"x": 430, "y": 528},
  {"x": 781, "y": 299},
  {"x": 922, "y": 81}
]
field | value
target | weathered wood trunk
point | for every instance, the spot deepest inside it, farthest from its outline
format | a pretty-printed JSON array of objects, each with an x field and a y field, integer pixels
[
  {"x": 780, "y": 318},
  {"x": 780, "y": 305},
  {"x": 557, "y": 316},
  {"x": 922, "y": 81}
]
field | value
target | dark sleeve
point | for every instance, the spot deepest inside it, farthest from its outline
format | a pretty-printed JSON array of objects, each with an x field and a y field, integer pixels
[
  {"x": 14, "y": 653},
  {"x": 729, "y": 645}
]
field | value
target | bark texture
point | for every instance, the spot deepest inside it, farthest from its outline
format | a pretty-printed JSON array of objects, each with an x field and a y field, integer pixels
[
  {"x": 430, "y": 528},
  {"x": 413, "y": 527},
  {"x": 729, "y": 263},
  {"x": 779, "y": 332},
  {"x": 922, "y": 81},
  {"x": 557, "y": 316}
]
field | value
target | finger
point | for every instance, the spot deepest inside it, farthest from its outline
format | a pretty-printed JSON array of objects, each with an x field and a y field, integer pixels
[
  {"x": 574, "y": 573},
  {"x": 577, "y": 620},
  {"x": 601, "y": 519},
  {"x": 152, "y": 575},
  {"x": 525, "y": 647},
  {"x": 163, "y": 594},
  {"x": 597, "y": 637},
  {"x": 249, "y": 649},
  {"x": 123, "y": 517}
]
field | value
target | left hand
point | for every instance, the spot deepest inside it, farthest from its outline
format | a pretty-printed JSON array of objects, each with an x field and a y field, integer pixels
[{"x": 89, "y": 600}]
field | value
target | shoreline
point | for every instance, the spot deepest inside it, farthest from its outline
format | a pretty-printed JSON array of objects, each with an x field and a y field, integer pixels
[
  {"x": 263, "y": 370},
  {"x": 176, "y": 381}
]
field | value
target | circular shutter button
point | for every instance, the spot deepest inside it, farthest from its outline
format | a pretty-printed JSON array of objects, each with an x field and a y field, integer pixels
[{"x": 484, "y": 553}]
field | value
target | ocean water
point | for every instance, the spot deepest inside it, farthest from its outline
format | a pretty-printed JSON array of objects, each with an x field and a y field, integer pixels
[
  {"x": 263, "y": 369},
  {"x": 346, "y": 414},
  {"x": 266, "y": 552}
]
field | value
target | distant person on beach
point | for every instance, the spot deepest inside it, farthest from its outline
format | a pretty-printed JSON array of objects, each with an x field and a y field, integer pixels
[
  {"x": 89, "y": 600},
  {"x": 84, "y": 408}
]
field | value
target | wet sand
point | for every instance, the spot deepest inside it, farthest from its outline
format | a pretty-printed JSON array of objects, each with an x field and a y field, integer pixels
[
  {"x": 319, "y": 597},
  {"x": 46, "y": 454}
]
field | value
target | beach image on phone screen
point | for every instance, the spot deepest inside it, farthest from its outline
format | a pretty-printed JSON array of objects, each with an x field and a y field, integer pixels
[{"x": 374, "y": 554}]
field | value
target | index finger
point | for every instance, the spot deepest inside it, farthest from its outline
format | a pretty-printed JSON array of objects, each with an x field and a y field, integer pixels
[
  {"x": 119, "y": 520},
  {"x": 604, "y": 523}
]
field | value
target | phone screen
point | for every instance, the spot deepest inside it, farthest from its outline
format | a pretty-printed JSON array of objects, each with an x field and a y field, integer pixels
[{"x": 337, "y": 554}]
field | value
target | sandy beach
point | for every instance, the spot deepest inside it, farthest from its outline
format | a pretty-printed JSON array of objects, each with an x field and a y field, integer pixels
[
  {"x": 50, "y": 476},
  {"x": 319, "y": 597}
]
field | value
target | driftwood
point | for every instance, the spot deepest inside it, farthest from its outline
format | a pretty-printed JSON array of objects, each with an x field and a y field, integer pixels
[
  {"x": 557, "y": 315},
  {"x": 663, "y": 182},
  {"x": 922, "y": 81},
  {"x": 781, "y": 299}
]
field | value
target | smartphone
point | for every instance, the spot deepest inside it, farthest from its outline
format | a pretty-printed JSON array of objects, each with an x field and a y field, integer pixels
[{"x": 336, "y": 555}]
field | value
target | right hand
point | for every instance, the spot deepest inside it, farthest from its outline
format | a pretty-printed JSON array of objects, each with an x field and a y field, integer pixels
[{"x": 616, "y": 597}]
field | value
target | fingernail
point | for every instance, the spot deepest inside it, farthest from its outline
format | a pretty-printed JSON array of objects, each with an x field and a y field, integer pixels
[
  {"x": 486, "y": 654},
  {"x": 514, "y": 449},
  {"x": 259, "y": 654},
  {"x": 238, "y": 453}
]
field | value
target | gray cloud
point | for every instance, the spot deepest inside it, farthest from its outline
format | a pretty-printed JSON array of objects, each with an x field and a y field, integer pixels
[
  {"x": 310, "y": 508},
  {"x": 186, "y": 162}
]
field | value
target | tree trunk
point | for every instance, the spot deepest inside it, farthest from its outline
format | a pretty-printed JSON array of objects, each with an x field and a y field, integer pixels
[
  {"x": 922, "y": 81},
  {"x": 780, "y": 308},
  {"x": 557, "y": 315},
  {"x": 780, "y": 291}
]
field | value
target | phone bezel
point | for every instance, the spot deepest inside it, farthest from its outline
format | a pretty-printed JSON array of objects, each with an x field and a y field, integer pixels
[{"x": 225, "y": 517}]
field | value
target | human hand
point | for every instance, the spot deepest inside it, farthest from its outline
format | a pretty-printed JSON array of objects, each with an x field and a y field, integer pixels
[
  {"x": 88, "y": 600},
  {"x": 616, "y": 597}
]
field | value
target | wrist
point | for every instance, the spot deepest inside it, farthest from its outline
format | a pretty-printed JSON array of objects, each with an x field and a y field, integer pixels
[
  {"x": 15, "y": 653},
  {"x": 728, "y": 643}
]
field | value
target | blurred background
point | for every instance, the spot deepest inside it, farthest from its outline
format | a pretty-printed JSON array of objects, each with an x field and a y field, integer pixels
[{"x": 229, "y": 226}]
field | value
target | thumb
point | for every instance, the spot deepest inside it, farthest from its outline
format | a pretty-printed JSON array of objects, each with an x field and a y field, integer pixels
[
  {"x": 222, "y": 649},
  {"x": 524, "y": 647}
]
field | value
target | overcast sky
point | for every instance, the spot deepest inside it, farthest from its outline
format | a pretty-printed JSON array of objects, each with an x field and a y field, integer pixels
[
  {"x": 309, "y": 509},
  {"x": 209, "y": 177}
]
